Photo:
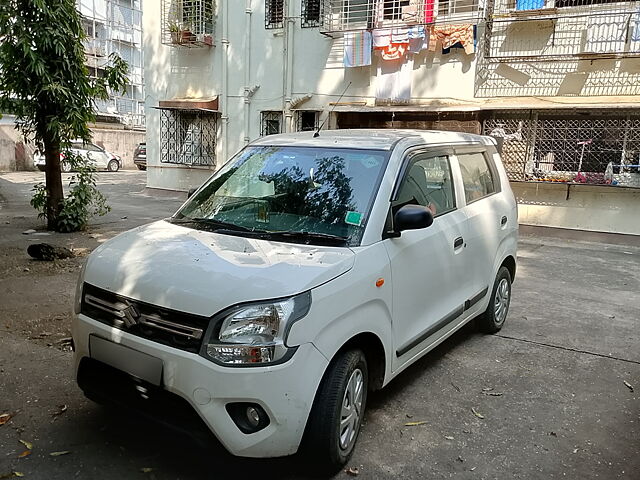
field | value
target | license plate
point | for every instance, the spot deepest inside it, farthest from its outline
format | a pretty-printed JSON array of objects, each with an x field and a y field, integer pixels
[{"x": 127, "y": 359}]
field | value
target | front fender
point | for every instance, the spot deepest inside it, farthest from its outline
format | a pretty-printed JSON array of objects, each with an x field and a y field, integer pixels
[{"x": 350, "y": 305}]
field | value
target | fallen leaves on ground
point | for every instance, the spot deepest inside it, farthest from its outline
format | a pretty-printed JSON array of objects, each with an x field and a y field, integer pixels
[
  {"x": 146, "y": 470},
  {"x": 628, "y": 385},
  {"x": 61, "y": 410},
  {"x": 353, "y": 471},
  {"x": 26, "y": 453},
  {"x": 28, "y": 445},
  {"x": 4, "y": 418},
  {"x": 57, "y": 454},
  {"x": 415, "y": 424},
  {"x": 492, "y": 394},
  {"x": 448, "y": 437},
  {"x": 475, "y": 412},
  {"x": 11, "y": 475}
]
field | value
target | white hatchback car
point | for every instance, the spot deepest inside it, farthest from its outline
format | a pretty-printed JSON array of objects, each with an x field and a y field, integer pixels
[
  {"x": 306, "y": 272},
  {"x": 102, "y": 159}
]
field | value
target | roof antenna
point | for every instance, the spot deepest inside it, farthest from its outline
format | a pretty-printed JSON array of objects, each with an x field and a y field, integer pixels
[{"x": 317, "y": 134}]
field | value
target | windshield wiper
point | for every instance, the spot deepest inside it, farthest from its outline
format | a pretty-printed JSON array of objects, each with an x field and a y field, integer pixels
[
  {"x": 307, "y": 237},
  {"x": 212, "y": 223}
]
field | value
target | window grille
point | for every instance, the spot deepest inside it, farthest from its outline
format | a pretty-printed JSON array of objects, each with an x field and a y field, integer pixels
[
  {"x": 273, "y": 14},
  {"x": 271, "y": 123},
  {"x": 188, "y": 137},
  {"x": 569, "y": 147},
  {"x": 348, "y": 15},
  {"x": 307, "y": 120},
  {"x": 188, "y": 23},
  {"x": 311, "y": 13}
]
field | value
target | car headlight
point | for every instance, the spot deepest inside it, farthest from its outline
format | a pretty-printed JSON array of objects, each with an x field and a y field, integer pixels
[{"x": 255, "y": 334}]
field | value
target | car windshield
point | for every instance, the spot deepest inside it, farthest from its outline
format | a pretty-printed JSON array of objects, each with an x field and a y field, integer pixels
[{"x": 298, "y": 194}]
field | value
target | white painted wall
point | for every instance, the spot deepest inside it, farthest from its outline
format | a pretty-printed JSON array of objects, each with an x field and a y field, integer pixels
[
  {"x": 317, "y": 69},
  {"x": 585, "y": 207}
]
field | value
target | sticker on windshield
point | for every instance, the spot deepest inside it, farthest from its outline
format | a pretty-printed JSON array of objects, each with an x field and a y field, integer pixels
[
  {"x": 370, "y": 162},
  {"x": 353, "y": 218}
]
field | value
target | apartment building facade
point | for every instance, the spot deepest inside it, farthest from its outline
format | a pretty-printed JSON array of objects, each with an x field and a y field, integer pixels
[
  {"x": 115, "y": 26},
  {"x": 555, "y": 80}
]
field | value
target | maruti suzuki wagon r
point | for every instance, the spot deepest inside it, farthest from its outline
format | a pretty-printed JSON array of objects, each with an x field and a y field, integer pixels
[{"x": 303, "y": 274}]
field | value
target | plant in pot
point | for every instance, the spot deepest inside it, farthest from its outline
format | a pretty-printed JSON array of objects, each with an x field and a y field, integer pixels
[
  {"x": 186, "y": 35},
  {"x": 174, "y": 29}
]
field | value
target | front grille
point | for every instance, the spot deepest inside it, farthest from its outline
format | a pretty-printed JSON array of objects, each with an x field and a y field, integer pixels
[{"x": 169, "y": 327}]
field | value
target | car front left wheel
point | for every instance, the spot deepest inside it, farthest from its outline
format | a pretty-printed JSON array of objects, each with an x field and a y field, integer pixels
[
  {"x": 113, "y": 166},
  {"x": 337, "y": 412}
]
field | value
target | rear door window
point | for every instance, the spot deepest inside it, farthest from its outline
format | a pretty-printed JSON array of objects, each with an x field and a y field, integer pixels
[{"x": 477, "y": 177}]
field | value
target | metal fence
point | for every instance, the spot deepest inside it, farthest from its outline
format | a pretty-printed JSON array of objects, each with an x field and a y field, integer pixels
[
  {"x": 569, "y": 147},
  {"x": 348, "y": 15},
  {"x": 188, "y": 137}
]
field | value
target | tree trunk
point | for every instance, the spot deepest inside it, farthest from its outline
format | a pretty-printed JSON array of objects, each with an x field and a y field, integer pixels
[{"x": 53, "y": 180}]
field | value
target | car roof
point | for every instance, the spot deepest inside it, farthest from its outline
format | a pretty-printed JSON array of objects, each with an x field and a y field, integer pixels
[{"x": 370, "y": 139}]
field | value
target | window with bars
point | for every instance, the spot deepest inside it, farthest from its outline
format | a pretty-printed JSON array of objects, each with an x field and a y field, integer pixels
[
  {"x": 270, "y": 123},
  {"x": 307, "y": 120},
  {"x": 188, "y": 137},
  {"x": 565, "y": 147},
  {"x": 311, "y": 13},
  {"x": 273, "y": 14}
]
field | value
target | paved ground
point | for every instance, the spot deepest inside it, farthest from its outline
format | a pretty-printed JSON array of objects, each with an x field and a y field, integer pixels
[{"x": 550, "y": 386}]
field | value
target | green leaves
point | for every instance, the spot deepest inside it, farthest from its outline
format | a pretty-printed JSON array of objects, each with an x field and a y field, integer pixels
[{"x": 46, "y": 84}]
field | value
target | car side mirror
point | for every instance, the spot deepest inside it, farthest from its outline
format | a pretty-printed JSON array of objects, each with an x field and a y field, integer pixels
[
  {"x": 412, "y": 217},
  {"x": 191, "y": 192}
]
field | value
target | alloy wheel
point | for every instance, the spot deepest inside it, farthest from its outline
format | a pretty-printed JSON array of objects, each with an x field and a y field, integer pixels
[
  {"x": 351, "y": 414},
  {"x": 501, "y": 301}
]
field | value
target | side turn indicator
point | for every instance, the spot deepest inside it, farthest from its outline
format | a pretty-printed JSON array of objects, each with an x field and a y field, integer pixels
[{"x": 379, "y": 282}]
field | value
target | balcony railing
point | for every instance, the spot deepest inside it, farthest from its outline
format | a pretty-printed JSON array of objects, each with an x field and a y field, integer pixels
[
  {"x": 188, "y": 23},
  {"x": 349, "y": 15},
  {"x": 532, "y": 30}
]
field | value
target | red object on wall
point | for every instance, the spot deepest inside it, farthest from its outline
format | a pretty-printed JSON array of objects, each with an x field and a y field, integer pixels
[{"x": 428, "y": 11}]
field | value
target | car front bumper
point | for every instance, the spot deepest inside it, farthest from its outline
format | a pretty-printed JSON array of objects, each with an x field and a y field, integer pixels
[{"x": 285, "y": 391}]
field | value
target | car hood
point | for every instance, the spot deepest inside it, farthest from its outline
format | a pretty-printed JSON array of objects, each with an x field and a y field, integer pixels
[{"x": 199, "y": 272}]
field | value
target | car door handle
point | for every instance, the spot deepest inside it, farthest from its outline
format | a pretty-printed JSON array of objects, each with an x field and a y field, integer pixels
[
  {"x": 458, "y": 242},
  {"x": 503, "y": 221}
]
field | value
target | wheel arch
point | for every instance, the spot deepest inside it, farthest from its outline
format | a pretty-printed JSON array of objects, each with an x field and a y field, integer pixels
[
  {"x": 510, "y": 263},
  {"x": 373, "y": 350}
]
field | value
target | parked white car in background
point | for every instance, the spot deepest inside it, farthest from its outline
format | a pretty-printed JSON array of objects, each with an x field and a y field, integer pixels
[
  {"x": 305, "y": 273},
  {"x": 102, "y": 159}
]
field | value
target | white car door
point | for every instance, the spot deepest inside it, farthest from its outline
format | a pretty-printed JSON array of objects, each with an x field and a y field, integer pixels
[
  {"x": 486, "y": 217},
  {"x": 97, "y": 155},
  {"x": 428, "y": 266}
]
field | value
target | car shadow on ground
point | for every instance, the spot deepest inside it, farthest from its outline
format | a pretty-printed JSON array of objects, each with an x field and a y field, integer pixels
[{"x": 175, "y": 455}]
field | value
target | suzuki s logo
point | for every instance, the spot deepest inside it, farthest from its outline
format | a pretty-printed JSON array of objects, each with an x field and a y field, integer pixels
[{"x": 129, "y": 316}]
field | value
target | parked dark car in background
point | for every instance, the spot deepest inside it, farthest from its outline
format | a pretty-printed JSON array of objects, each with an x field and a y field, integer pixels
[{"x": 140, "y": 156}]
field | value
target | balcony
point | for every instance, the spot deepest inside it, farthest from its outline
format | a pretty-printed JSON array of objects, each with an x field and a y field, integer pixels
[
  {"x": 188, "y": 23},
  {"x": 538, "y": 30},
  {"x": 340, "y": 16}
]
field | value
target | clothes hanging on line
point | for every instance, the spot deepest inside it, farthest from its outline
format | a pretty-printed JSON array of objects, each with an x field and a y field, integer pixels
[
  {"x": 357, "y": 49},
  {"x": 449, "y": 35},
  {"x": 393, "y": 80},
  {"x": 394, "y": 43}
]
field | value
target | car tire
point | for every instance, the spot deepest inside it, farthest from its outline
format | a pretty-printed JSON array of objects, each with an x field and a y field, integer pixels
[
  {"x": 41, "y": 168},
  {"x": 496, "y": 313},
  {"x": 141, "y": 167},
  {"x": 113, "y": 166},
  {"x": 336, "y": 416},
  {"x": 65, "y": 167}
]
